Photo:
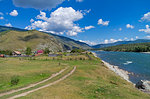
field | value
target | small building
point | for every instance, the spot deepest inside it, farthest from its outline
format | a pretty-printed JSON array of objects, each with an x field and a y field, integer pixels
[
  {"x": 68, "y": 51},
  {"x": 40, "y": 52},
  {"x": 2, "y": 56},
  {"x": 16, "y": 53}
]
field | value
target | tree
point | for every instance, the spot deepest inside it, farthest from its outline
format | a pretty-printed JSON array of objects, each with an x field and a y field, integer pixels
[
  {"x": 28, "y": 51},
  {"x": 46, "y": 51},
  {"x": 77, "y": 50}
]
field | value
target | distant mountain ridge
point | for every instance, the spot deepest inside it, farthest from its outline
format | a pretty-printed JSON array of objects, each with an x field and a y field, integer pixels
[
  {"x": 5, "y": 28},
  {"x": 121, "y": 42},
  {"x": 15, "y": 38}
]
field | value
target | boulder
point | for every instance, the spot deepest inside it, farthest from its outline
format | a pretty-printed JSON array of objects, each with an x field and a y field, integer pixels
[{"x": 143, "y": 85}]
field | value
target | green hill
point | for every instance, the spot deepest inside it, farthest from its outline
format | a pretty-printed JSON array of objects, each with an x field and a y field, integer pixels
[
  {"x": 19, "y": 39},
  {"x": 138, "y": 47}
]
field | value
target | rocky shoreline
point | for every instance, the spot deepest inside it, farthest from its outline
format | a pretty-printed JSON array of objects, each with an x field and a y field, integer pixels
[
  {"x": 141, "y": 85},
  {"x": 124, "y": 74}
]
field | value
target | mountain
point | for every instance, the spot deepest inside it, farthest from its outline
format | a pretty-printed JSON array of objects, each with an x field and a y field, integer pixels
[
  {"x": 5, "y": 28},
  {"x": 121, "y": 42},
  {"x": 20, "y": 39},
  {"x": 70, "y": 43}
]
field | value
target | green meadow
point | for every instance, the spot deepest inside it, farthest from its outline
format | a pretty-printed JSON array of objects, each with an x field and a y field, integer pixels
[{"x": 91, "y": 80}]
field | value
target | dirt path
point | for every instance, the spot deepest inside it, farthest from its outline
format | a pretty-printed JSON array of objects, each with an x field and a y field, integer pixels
[
  {"x": 32, "y": 85},
  {"x": 50, "y": 84}
]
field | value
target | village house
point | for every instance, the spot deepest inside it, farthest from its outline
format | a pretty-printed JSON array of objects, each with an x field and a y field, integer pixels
[
  {"x": 16, "y": 53},
  {"x": 40, "y": 52},
  {"x": 2, "y": 56}
]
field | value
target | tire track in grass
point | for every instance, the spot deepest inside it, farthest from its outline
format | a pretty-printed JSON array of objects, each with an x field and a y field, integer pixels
[
  {"x": 32, "y": 85},
  {"x": 50, "y": 84}
]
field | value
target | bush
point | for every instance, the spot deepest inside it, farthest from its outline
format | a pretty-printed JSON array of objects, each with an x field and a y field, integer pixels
[
  {"x": 76, "y": 50},
  {"x": 14, "y": 80},
  {"x": 46, "y": 51},
  {"x": 28, "y": 51}
]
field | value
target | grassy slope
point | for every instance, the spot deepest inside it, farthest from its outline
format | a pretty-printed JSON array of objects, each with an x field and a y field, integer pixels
[
  {"x": 15, "y": 40},
  {"x": 70, "y": 43},
  {"x": 92, "y": 80},
  {"x": 19, "y": 40},
  {"x": 29, "y": 71}
]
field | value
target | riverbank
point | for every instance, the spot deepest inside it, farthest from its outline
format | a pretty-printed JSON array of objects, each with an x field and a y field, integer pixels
[
  {"x": 142, "y": 85},
  {"x": 122, "y": 73}
]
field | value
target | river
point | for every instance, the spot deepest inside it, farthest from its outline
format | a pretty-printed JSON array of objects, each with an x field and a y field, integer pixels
[{"x": 138, "y": 64}]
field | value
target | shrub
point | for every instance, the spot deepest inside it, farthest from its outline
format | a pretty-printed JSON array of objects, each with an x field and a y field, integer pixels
[
  {"x": 46, "y": 51},
  {"x": 14, "y": 80},
  {"x": 76, "y": 50},
  {"x": 28, "y": 51}
]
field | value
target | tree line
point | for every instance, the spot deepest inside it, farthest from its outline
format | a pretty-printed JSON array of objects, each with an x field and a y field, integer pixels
[{"x": 138, "y": 47}]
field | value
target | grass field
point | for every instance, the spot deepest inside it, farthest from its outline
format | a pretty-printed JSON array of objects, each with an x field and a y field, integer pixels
[{"x": 91, "y": 80}]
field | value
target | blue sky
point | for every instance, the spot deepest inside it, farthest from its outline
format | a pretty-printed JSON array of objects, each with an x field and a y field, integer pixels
[{"x": 90, "y": 21}]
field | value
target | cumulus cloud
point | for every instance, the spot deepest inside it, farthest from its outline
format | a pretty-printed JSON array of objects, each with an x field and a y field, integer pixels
[
  {"x": 146, "y": 17},
  {"x": 79, "y": 0},
  {"x": 101, "y": 22},
  {"x": 111, "y": 41},
  {"x": 89, "y": 42},
  {"x": 1, "y": 18},
  {"x": 8, "y": 25},
  {"x": 60, "y": 21},
  {"x": 31, "y": 20},
  {"x": 147, "y": 30},
  {"x": 37, "y": 4},
  {"x": 14, "y": 13},
  {"x": 89, "y": 27},
  {"x": 130, "y": 26}
]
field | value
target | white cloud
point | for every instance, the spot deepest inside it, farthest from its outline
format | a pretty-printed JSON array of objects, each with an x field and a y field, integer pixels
[
  {"x": 147, "y": 30},
  {"x": 136, "y": 37},
  {"x": 31, "y": 20},
  {"x": 60, "y": 21},
  {"x": 88, "y": 42},
  {"x": 89, "y": 27},
  {"x": 1, "y": 18},
  {"x": 8, "y": 25},
  {"x": 101, "y": 22},
  {"x": 14, "y": 13},
  {"x": 79, "y": 0},
  {"x": 132, "y": 39},
  {"x": 1, "y": 13},
  {"x": 111, "y": 41},
  {"x": 146, "y": 17},
  {"x": 129, "y": 26},
  {"x": 37, "y": 4},
  {"x": 86, "y": 11},
  {"x": 148, "y": 37},
  {"x": 120, "y": 29}
]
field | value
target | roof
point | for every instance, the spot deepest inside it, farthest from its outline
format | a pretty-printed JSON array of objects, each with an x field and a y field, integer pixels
[
  {"x": 40, "y": 51},
  {"x": 17, "y": 52}
]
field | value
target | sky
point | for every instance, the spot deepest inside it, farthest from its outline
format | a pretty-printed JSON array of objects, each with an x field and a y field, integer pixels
[{"x": 89, "y": 21}]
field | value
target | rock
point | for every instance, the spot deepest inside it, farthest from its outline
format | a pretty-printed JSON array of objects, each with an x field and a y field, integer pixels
[{"x": 143, "y": 85}]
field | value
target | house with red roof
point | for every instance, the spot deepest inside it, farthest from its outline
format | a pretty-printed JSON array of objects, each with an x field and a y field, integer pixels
[{"x": 40, "y": 52}]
